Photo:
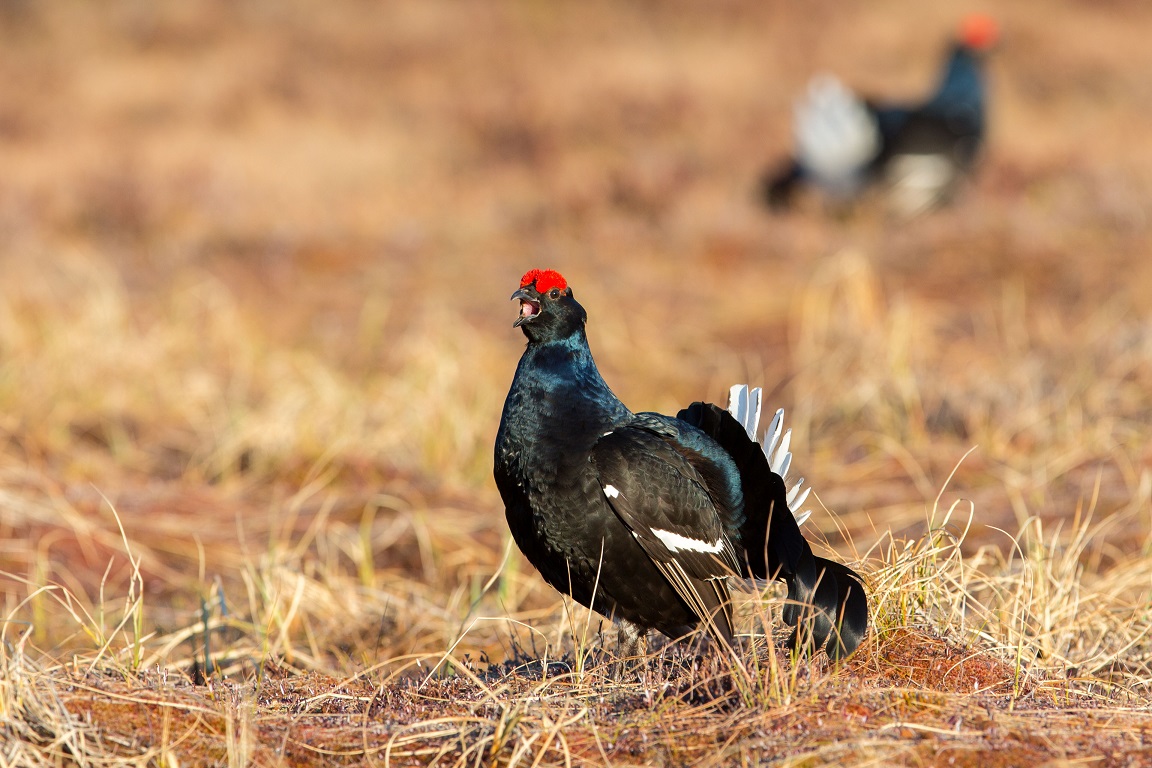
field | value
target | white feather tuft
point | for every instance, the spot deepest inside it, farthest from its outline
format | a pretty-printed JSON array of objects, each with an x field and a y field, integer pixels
[
  {"x": 745, "y": 406},
  {"x": 783, "y": 456},
  {"x": 772, "y": 436},
  {"x": 677, "y": 543},
  {"x": 918, "y": 182},
  {"x": 836, "y": 135}
]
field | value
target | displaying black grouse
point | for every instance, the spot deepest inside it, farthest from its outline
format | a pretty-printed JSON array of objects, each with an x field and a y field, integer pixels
[
  {"x": 643, "y": 517},
  {"x": 919, "y": 153}
]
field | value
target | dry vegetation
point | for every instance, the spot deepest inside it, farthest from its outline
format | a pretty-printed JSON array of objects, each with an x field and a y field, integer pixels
[{"x": 254, "y": 344}]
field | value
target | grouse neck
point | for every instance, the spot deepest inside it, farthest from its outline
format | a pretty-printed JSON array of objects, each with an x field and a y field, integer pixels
[
  {"x": 961, "y": 83},
  {"x": 566, "y": 356},
  {"x": 563, "y": 370}
]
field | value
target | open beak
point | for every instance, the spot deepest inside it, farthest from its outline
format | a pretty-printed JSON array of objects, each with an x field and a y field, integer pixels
[{"x": 529, "y": 307}]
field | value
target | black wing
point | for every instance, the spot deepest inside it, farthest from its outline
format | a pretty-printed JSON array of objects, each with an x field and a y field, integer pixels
[
  {"x": 651, "y": 483},
  {"x": 826, "y": 600}
]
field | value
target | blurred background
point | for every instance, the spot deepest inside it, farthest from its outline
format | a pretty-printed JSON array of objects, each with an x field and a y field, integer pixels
[{"x": 255, "y": 259}]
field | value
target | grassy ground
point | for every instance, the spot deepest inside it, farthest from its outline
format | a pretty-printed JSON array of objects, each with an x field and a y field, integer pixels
[{"x": 254, "y": 341}]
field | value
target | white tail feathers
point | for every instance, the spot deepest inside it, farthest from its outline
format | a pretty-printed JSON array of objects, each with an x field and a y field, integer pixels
[
  {"x": 745, "y": 405},
  {"x": 836, "y": 135}
]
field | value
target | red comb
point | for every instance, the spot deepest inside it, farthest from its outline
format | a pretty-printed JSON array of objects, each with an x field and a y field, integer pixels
[
  {"x": 545, "y": 279},
  {"x": 979, "y": 32}
]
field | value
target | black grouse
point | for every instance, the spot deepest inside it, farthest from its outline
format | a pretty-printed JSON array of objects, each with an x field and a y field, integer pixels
[
  {"x": 643, "y": 517},
  {"x": 919, "y": 153}
]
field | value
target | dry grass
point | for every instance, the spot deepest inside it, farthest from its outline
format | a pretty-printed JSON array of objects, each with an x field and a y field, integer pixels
[{"x": 253, "y": 347}]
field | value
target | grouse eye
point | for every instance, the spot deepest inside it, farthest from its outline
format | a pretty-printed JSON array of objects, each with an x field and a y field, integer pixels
[{"x": 554, "y": 293}]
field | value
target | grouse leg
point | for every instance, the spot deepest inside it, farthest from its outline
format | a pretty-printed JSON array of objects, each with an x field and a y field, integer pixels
[{"x": 628, "y": 652}]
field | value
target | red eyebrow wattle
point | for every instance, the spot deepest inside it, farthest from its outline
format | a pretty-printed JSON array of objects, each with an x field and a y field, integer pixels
[{"x": 545, "y": 280}]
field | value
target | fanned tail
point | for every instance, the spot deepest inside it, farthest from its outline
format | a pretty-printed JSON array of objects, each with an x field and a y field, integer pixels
[
  {"x": 826, "y": 601},
  {"x": 746, "y": 405},
  {"x": 836, "y": 135}
]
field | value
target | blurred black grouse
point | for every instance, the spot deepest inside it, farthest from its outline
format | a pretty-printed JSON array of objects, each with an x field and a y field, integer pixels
[
  {"x": 918, "y": 153},
  {"x": 643, "y": 517}
]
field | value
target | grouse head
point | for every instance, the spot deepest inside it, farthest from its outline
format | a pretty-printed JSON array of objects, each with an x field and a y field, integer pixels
[
  {"x": 548, "y": 310},
  {"x": 978, "y": 33}
]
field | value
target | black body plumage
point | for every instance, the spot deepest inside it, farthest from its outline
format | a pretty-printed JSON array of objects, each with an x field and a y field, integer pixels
[{"x": 644, "y": 517}]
